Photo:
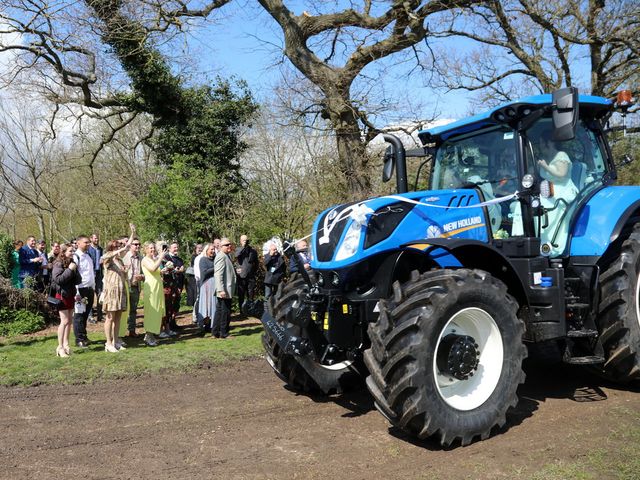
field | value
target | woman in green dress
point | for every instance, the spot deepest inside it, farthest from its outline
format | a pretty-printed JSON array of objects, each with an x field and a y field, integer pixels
[
  {"x": 153, "y": 293},
  {"x": 15, "y": 264}
]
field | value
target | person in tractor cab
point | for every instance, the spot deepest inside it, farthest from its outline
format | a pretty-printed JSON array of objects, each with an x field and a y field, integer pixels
[{"x": 556, "y": 167}]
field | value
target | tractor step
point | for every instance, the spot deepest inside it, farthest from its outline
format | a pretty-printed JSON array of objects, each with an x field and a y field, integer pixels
[
  {"x": 584, "y": 333},
  {"x": 586, "y": 360}
]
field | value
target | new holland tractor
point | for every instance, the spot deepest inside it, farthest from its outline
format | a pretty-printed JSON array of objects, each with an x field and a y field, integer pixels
[{"x": 431, "y": 296}]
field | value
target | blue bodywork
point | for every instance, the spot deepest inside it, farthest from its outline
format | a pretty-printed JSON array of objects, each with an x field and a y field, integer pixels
[
  {"x": 476, "y": 122},
  {"x": 455, "y": 216},
  {"x": 601, "y": 218},
  {"x": 596, "y": 226}
]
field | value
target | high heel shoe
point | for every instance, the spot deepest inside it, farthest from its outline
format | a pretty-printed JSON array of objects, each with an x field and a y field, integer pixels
[
  {"x": 60, "y": 352},
  {"x": 110, "y": 349}
]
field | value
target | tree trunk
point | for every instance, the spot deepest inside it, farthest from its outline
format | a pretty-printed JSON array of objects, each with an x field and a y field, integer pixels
[{"x": 352, "y": 154}]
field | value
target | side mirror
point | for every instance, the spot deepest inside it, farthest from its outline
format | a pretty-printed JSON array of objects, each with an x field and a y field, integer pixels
[
  {"x": 564, "y": 113},
  {"x": 389, "y": 164}
]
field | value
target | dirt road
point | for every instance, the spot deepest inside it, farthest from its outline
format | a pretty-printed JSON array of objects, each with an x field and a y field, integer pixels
[{"x": 238, "y": 422}]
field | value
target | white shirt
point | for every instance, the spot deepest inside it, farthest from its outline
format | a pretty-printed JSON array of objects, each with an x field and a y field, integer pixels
[
  {"x": 43, "y": 256},
  {"x": 196, "y": 267},
  {"x": 85, "y": 267}
]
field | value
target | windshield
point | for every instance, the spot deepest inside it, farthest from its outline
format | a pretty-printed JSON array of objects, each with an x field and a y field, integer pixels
[{"x": 486, "y": 159}]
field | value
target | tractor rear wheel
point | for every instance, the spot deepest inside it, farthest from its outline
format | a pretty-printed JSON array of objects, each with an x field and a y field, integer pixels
[
  {"x": 288, "y": 308},
  {"x": 619, "y": 311},
  {"x": 446, "y": 355}
]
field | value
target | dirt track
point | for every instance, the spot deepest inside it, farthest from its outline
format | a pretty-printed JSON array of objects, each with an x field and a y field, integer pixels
[{"x": 239, "y": 422}]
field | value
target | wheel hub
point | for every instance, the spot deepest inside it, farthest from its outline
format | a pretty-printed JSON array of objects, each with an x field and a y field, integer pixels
[{"x": 458, "y": 356}]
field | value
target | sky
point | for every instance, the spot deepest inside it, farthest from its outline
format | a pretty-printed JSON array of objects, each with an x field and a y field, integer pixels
[{"x": 247, "y": 44}]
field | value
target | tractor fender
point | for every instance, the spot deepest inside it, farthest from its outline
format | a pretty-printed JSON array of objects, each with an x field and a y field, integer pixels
[
  {"x": 472, "y": 254},
  {"x": 602, "y": 218}
]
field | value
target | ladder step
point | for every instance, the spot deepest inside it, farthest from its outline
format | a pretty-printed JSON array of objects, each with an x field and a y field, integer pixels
[
  {"x": 582, "y": 333},
  {"x": 588, "y": 360}
]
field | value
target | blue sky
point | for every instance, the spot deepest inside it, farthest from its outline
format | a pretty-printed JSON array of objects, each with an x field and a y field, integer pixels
[{"x": 246, "y": 44}]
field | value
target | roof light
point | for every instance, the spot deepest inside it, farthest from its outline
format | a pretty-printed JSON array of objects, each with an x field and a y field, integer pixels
[{"x": 624, "y": 98}]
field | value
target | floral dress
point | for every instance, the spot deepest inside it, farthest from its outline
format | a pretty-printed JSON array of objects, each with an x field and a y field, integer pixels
[{"x": 115, "y": 295}]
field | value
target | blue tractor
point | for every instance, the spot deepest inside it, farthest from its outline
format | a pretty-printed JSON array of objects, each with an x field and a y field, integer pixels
[{"x": 432, "y": 295}]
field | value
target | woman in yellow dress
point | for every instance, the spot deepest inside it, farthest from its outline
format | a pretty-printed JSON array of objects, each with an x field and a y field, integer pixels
[
  {"x": 153, "y": 293},
  {"x": 115, "y": 293}
]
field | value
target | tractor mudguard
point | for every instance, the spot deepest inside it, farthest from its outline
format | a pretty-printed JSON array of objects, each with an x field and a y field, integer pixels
[
  {"x": 602, "y": 218},
  {"x": 470, "y": 253}
]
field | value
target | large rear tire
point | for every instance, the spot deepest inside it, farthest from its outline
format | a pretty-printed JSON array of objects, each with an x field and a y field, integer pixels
[
  {"x": 287, "y": 308},
  {"x": 446, "y": 355},
  {"x": 619, "y": 311}
]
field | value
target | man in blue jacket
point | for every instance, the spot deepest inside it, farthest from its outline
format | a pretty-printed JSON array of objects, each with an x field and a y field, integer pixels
[{"x": 30, "y": 263}]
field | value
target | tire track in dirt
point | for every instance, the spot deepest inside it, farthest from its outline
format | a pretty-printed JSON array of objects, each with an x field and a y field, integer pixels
[{"x": 236, "y": 421}]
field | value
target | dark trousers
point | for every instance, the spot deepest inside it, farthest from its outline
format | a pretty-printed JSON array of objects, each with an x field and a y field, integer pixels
[
  {"x": 134, "y": 298},
  {"x": 222, "y": 317},
  {"x": 269, "y": 290},
  {"x": 246, "y": 287},
  {"x": 98, "y": 290},
  {"x": 80, "y": 319}
]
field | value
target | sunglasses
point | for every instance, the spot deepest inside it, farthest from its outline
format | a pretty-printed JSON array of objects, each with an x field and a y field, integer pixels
[
  {"x": 225, "y": 244},
  {"x": 134, "y": 243}
]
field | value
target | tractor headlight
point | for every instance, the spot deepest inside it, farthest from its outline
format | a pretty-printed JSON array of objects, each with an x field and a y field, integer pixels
[{"x": 351, "y": 242}]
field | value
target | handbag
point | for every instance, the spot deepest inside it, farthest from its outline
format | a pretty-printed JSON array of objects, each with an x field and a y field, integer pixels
[{"x": 53, "y": 302}]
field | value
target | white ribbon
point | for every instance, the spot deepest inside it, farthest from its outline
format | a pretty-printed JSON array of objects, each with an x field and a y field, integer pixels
[{"x": 360, "y": 212}]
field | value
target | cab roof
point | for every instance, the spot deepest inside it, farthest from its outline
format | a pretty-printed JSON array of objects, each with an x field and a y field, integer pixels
[{"x": 470, "y": 124}]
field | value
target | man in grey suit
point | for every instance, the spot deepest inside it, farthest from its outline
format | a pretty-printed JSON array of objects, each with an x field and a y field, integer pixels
[{"x": 225, "y": 276}]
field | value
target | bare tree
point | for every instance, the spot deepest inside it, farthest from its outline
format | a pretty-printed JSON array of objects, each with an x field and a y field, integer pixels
[
  {"x": 525, "y": 45},
  {"x": 29, "y": 164},
  {"x": 331, "y": 49},
  {"x": 289, "y": 171}
]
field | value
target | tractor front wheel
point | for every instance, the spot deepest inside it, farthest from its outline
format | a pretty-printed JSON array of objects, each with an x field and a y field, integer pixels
[{"x": 446, "y": 355}]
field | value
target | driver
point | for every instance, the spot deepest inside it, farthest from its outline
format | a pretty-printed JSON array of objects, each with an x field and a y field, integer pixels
[{"x": 558, "y": 169}]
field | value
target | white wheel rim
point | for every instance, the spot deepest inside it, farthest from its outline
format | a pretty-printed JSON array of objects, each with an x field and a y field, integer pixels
[
  {"x": 471, "y": 393},
  {"x": 338, "y": 365}
]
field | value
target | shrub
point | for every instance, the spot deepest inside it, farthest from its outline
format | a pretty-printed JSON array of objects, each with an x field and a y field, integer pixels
[
  {"x": 19, "y": 322},
  {"x": 6, "y": 251},
  {"x": 26, "y": 299}
]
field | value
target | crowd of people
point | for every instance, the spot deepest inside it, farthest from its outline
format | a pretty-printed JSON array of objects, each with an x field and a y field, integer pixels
[{"x": 87, "y": 283}]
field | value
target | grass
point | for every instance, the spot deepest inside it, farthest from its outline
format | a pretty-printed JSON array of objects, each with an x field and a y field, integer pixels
[
  {"x": 31, "y": 360},
  {"x": 617, "y": 458}
]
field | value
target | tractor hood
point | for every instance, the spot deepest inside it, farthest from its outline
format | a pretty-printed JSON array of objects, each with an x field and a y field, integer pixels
[{"x": 349, "y": 233}]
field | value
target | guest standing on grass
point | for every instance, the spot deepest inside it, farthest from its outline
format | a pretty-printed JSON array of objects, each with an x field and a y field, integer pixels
[
  {"x": 30, "y": 263},
  {"x": 207, "y": 302},
  {"x": 115, "y": 293},
  {"x": 15, "y": 264},
  {"x": 178, "y": 282},
  {"x": 190, "y": 280},
  {"x": 95, "y": 252},
  {"x": 83, "y": 291},
  {"x": 225, "y": 278},
  {"x": 275, "y": 269},
  {"x": 64, "y": 278},
  {"x": 153, "y": 293},
  {"x": 132, "y": 261}
]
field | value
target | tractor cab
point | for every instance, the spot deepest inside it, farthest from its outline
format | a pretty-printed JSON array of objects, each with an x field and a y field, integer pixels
[{"x": 522, "y": 147}]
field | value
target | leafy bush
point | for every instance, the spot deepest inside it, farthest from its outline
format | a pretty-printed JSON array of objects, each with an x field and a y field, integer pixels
[
  {"x": 19, "y": 322},
  {"x": 26, "y": 299},
  {"x": 6, "y": 251}
]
